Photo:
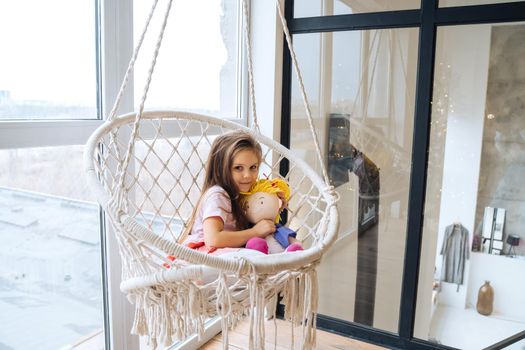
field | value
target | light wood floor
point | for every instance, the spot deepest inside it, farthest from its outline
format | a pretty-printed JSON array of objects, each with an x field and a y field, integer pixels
[{"x": 325, "y": 341}]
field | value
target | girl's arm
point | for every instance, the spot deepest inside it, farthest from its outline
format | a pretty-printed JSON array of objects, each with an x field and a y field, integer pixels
[{"x": 216, "y": 236}]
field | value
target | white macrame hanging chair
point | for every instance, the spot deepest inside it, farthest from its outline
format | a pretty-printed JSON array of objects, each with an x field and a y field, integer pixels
[{"x": 149, "y": 183}]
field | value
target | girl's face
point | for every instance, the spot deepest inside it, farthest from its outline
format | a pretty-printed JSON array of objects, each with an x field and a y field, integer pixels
[{"x": 245, "y": 169}]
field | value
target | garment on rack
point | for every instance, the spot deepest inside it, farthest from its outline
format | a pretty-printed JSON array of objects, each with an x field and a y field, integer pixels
[{"x": 455, "y": 251}]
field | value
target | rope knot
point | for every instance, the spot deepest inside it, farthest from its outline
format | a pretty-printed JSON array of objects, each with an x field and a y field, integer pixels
[{"x": 332, "y": 192}]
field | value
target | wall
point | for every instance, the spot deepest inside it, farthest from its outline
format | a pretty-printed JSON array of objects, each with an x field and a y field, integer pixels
[
  {"x": 267, "y": 44},
  {"x": 503, "y": 156}
]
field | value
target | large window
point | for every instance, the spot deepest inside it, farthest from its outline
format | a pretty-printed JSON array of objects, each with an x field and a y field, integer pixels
[
  {"x": 51, "y": 251},
  {"x": 198, "y": 67},
  {"x": 61, "y": 68}
]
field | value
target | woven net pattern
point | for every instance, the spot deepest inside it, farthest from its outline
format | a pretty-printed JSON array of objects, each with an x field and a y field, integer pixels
[{"x": 152, "y": 206}]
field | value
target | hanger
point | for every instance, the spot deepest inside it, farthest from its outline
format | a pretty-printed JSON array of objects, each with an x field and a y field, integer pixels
[{"x": 457, "y": 221}]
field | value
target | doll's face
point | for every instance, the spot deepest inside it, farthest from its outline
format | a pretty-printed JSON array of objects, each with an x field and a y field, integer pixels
[{"x": 262, "y": 205}]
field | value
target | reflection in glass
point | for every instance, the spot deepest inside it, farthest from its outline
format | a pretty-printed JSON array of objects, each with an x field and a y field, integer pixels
[
  {"x": 311, "y": 8},
  {"x": 365, "y": 125},
  {"x": 50, "y": 256},
  {"x": 475, "y": 181}
]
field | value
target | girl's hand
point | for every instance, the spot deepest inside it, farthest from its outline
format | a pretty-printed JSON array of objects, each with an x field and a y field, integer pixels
[{"x": 264, "y": 228}]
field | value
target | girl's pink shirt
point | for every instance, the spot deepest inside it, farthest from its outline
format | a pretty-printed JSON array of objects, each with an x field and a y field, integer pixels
[{"x": 215, "y": 203}]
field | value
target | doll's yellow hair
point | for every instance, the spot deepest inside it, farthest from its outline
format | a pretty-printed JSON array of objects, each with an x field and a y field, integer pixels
[{"x": 273, "y": 186}]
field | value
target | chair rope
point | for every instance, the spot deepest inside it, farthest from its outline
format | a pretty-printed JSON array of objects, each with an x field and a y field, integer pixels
[
  {"x": 131, "y": 64},
  {"x": 247, "y": 41},
  {"x": 303, "y": 93}
]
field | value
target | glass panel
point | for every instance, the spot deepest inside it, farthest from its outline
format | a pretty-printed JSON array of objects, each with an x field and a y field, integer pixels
[
  {"x": 198, "y": 66},
  {"x": 452, "y": 3},
  {"x": 475, "y": 200},
  {"x": 50, "y": 71},
  {"x": 50, "y": 262},
  {"x": 313, "y": 8},
  {"x": 361, "y": 88}
]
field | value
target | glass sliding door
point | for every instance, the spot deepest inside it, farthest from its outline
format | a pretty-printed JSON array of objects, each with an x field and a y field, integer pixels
[{"x": 361, "y": 86}]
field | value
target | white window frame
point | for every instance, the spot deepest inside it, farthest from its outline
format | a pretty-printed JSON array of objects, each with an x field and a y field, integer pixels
[{"x": 116, "y": 28}]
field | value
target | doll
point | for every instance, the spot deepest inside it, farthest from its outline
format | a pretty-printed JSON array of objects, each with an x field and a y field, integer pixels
[{"x": 263, "y": 201}]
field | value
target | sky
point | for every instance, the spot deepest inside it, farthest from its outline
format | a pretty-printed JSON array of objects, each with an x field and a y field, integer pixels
[
  {"x": 192, "y": 54},
  {"x": 49, "y": 52}
]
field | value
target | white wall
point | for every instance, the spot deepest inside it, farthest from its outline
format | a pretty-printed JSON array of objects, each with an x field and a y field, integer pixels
[{"x": 267, "y": 41}]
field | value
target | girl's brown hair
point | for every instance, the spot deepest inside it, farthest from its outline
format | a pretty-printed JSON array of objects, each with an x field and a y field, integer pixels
[{"x": 218, "y": 168}]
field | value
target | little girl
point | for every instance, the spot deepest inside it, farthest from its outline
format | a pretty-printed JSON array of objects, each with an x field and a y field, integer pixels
[{"x": 220, "y": 225}]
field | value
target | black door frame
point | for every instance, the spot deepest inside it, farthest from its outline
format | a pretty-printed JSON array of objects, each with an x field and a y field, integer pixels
[{"x": 428, "y": 18}]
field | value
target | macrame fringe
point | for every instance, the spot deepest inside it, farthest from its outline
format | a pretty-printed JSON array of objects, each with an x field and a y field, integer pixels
[
  {"x": 257, "y": 291},
  {"x": 173, "y": 312},
  {"x": 224, "y": 304},
  {"x": 300, "y": 297},
  {"x": 168, "y": 313}
]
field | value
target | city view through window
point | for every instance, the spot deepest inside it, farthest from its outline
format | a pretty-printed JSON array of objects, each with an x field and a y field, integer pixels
[{"x": 50, "y": 256}]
